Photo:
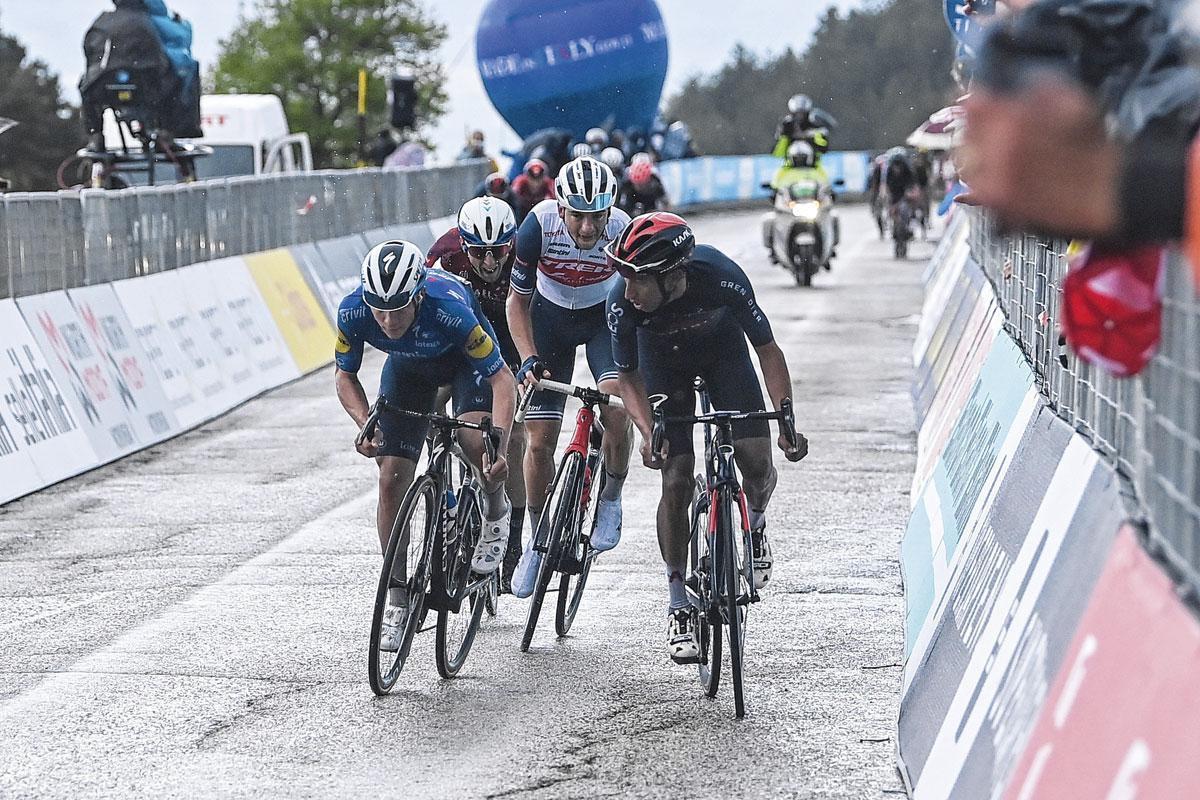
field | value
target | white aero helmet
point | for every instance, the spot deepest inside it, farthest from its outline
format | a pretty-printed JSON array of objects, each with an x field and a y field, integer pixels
[
  {"x": 486, "y": 221},
  {"x": 613, "y": 157},
  {"x": 585, "y": 184},
  {"x": 580, "y": 150},
  {"x": 642, "y": 158},
  {"x": 597, "y": 137},
  {"x": 393, "y": 273},
  {"x": 800, "y": 104}
]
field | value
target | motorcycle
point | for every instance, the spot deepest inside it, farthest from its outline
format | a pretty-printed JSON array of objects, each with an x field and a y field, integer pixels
[{"x": 802, "y": 232}]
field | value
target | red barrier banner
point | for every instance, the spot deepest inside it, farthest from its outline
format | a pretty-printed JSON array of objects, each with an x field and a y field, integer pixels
[{"x": 1123, "y": 717}]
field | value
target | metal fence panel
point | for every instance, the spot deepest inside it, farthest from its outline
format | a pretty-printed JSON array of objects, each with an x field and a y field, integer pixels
[
  {"x": 42, "y": 248},
  {"x": 1148, "y": 427}
]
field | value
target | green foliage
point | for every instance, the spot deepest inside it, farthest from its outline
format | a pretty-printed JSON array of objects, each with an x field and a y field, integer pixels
[
  {"x": 309, "y": 52},
  {"x": 48, "y": 129},
  {"x": 879, "y": 71}
]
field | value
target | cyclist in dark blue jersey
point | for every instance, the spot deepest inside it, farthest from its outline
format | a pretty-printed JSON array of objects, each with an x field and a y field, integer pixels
[
  {"x": 431, "y": 326},
  {"x": 684, "y": 311}
]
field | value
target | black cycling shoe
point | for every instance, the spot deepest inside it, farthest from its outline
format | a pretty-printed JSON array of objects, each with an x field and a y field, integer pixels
[{"x": 507, "y": 567}]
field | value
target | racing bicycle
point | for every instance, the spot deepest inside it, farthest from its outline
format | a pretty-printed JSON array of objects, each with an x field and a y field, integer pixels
[
  {"x": 564, "y": 533},
  {"x": 720, "y": 582},
  {"x": 427, "y": 563}
]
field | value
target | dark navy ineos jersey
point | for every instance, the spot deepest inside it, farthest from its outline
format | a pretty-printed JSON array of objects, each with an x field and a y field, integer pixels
[
  {"x": 717, "y": 292},
  {"x": 449, "y": 323}
]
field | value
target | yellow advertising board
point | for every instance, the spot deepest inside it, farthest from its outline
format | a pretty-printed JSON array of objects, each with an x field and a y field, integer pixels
[{"x": 296, "y": 312}]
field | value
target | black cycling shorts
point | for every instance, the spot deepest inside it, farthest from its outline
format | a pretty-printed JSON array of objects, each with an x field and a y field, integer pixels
[
  {"x": 722, "y": 359},
  {"x": 557, "y": 332}
]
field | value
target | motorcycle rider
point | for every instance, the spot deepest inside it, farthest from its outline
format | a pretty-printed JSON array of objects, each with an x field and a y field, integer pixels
[{"x": 806, "y": 122}]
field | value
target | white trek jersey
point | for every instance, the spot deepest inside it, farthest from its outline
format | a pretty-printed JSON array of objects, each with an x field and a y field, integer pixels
[{"x": 567, "y": 276}]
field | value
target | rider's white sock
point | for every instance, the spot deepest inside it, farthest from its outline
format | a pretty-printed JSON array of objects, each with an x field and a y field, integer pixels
[
  {"x": 612, "y": 486},
  {"x": 679, "y": 598}
]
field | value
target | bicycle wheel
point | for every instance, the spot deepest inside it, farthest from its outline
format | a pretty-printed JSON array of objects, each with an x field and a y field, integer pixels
[
  {"x": 491, "y": 598},
  {"x": 733, "y": 578},
  {"x": 557, "y": 518},
  {"x": 407, "y": 569},
  {"x": 461, "y": 607},
  {"x": 700, "y": 567},
  {"x": 571, "y": 584}
]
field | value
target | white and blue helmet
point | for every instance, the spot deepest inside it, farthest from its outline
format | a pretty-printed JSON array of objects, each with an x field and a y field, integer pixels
[
  {"x": 586, "y": 184},
  {"x": 486, "y": 221},
  {"x": 393, "y": 274}
]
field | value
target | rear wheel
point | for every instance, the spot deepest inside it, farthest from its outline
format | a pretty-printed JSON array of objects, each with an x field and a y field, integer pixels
[
  {"x": 460, "y": 608},
  {"x": 405, "y": 573},
  {"x": 558, "y": 518},
  {"x": 571, "y": 585}
]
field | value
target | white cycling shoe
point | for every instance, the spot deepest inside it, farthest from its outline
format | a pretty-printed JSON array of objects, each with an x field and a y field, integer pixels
[
  {"x": 761, "y": 552},
  {"x": 524, "y": 577},
  {"x": 493, "y": 541},
  {"x": 608, "y": 525},
  {"x": 683, "y": 646},
  {"x": 389, "y": 632}
]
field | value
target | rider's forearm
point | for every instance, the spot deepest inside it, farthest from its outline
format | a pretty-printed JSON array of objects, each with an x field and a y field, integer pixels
[
  {"x": 775, "y": 373},
  {"x": 519, "y": 324},
  {"x": 504, "y": 392},
  {"x": 633, "y": 395},
  {"x": 352, "y": 396}
]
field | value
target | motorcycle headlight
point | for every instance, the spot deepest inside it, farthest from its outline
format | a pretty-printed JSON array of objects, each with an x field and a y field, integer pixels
[{"x": 807, "y": 210}]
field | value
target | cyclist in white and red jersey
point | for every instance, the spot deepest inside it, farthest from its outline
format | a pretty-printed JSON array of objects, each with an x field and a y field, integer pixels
[{"x": 560, "y": 282}]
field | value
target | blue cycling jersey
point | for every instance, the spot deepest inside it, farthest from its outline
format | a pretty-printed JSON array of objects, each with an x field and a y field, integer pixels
[
  {"x": 717, "y": 292},
  {"x": 449, "y": 321}
]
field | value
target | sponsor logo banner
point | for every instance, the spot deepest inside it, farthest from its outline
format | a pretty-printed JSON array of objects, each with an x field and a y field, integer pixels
[
  {"x": 965, "y": 477},
  {"x": 173, "y": 366},
  {"x": 980, "y": 671},
  {"x": 101, "y": 403},
  {"x": 116, "y": 344},
  {"x": 257, "y": 337},
  {"x": 341, "y": 262},
  {"x": 228, "y": 348},
  {"x": 1120, "y": 720},
  {"x": 41, "y": 441},
  {"x": 297, "y": 313},
  {"x": 112, "y": 336}
]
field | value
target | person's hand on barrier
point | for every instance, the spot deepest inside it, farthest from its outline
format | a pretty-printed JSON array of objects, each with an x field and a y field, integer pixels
[{"x": 1040, "y": 160}]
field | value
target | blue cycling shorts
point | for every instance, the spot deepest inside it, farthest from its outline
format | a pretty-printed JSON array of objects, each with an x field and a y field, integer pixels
[
  {"x": 414, "y": 389},
  {"x": 557, "y": 332}
]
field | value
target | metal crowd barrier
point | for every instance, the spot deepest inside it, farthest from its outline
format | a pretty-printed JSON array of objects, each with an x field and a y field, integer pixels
[
  {"x": 62, "y": 240},
  {"x": 1148, "y": 427}
]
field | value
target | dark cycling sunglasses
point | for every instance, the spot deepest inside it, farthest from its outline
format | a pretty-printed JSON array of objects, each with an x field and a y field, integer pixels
[{"x": 498, "y": 251}]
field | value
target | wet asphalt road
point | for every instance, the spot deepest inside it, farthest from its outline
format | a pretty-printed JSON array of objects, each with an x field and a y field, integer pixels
[{"x": 193, "y": 619}]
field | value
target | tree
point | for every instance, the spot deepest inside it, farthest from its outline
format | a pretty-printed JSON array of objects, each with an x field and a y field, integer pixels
[
  {"x": 880, "y": 72},
  {"x": 48, "y": 128},
  {"x": 309, "y": 52}
]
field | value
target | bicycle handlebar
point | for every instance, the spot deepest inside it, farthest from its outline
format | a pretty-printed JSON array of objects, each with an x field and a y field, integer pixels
[
  {"x": 491, "y": 434},
  {"x": 785, "y": 416},
  {"x": 588, "y": 395}
]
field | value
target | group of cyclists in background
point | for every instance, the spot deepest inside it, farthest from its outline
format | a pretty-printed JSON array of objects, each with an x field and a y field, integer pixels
[{"x": 501, "y": 302}]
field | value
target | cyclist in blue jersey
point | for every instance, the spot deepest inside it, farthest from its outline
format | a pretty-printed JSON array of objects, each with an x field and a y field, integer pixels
[
  {"x": 560, "y": 281},
  {"x": 430, "y": 324},
  {"x": 684, "y": 311}
]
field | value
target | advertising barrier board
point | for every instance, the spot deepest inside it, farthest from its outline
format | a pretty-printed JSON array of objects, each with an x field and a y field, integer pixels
[
  {"x": 41, "y": 440},
  {"x": 298, "y": 314},
  {"x": 112, "y": 336},
  {"x": 100, "y": 404}
]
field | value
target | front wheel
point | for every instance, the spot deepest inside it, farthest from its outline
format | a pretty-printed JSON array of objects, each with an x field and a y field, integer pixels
[
  {"x": 732, "y": 577},
  {"x": 464, "y": 594},
  {"x": 701, "y": 568},
  {"x": 400, "y": 597},
  {"x": 557, "y": 519},
  {"x": 570, "y": 586}
]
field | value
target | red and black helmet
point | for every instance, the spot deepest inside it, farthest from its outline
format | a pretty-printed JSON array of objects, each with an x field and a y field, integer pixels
[{"x": 652, "y": 244}]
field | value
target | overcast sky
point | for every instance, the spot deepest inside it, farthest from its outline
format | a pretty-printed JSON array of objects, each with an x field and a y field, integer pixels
[{"x": 52, "y": 30}]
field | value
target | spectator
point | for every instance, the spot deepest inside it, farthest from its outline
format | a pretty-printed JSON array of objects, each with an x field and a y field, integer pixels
[{"x": 531, "y": 187}]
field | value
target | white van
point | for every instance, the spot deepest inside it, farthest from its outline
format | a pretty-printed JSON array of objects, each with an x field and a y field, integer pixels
[{"x": 248, "y": 134}]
